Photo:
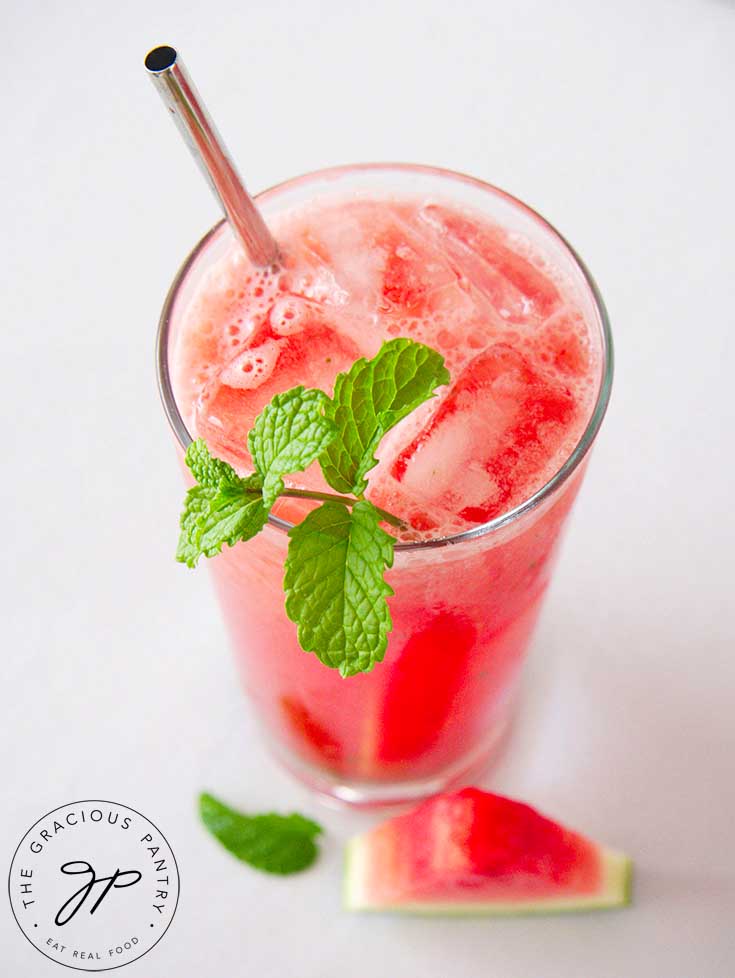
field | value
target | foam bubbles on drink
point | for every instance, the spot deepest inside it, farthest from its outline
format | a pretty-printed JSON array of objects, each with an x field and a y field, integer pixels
[
  {"x": 358, "y": 272},
  {"x": 252, "y": 367},
  {"x": 287, "y": 316}
]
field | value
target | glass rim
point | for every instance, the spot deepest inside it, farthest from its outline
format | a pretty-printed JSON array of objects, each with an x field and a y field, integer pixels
[{"x": 562, "y": 474}]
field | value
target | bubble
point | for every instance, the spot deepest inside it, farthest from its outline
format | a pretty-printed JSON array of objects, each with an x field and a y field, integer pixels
[
  {"x": 288, "y": 315},
  {"x": 364, "y": 274},
  {"x": 252, "y": 367}
]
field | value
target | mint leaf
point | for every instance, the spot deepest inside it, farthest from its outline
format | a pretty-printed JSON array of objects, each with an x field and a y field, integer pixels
[
  {"x": 213, "y": 516},
  {"x": 372, "y": 397},
  {"x": 206, "y": 469},
  {"x": 288, "y": 435},
  {"x": 334, "y": 581},
  {"x": 273, "y": 843},
  {"x": 334, "y": 585}
]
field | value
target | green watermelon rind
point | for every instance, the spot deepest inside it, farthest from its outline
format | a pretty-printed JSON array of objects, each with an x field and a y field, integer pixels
[{"x": 615, "y": 893}]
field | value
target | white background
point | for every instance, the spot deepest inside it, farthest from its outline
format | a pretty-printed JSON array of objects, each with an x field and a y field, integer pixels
[{"x": 616, "y": 121}]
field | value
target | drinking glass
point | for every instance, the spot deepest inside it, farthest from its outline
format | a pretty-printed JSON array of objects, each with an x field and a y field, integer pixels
[{"x": 435, "y": 710}]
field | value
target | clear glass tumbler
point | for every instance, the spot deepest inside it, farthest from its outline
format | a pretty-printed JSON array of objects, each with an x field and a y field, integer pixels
[{"x": 435, "y": 710}]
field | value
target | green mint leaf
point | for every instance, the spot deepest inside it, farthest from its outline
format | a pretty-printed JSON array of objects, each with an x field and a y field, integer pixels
[
  {"x": 372, "y": 397},
  {"x": 213, "y": 516},
  {"x": 206, "y": 469},
  {"x": 334, "y": 585},
  {"x": 288, "y": 435},
  {"x": 273, "y": 843}
]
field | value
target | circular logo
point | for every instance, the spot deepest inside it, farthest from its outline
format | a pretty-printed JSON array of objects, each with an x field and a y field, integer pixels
[{"x": 93, "y": 885}]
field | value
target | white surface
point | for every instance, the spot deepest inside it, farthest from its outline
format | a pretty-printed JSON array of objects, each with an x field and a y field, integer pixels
[{"x": 616, "y": 121}]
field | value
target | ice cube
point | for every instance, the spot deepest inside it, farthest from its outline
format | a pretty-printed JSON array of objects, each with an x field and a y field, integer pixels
[
  {"x": 488, "y": 443},
  {"x": 411, "y": 272},
  {"x": 309, "y": 274},
  {"x": 518, "y": 290},
  {"x": 346, "y": 237},
  {"x": 416, "y": 276},
  {"x": 335, "y": 264}
]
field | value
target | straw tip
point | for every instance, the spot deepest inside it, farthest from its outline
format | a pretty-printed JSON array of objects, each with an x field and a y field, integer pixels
[{"x": 160, "y": 59}]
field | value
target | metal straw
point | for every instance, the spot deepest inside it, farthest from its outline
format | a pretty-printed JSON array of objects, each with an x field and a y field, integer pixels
[{"x": 177, "y": 90}]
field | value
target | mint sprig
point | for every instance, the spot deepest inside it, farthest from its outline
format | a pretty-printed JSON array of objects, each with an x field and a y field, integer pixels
[
  {"x": 273, "y": 843},
  {"x": 336, "y": 593}
]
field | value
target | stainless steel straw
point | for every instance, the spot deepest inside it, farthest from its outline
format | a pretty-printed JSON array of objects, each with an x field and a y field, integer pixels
[{"x": 180, "y": 96}]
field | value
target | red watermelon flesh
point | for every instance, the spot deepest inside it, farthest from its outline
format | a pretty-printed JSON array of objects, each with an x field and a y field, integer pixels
[
  {"x": 311, "y": 734},
  {"x": 419, "y": 702},
  {"x": 475, "y": 852}
]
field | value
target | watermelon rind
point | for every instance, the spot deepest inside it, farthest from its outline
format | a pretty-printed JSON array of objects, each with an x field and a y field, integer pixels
[{"x": 615, "y": 891}]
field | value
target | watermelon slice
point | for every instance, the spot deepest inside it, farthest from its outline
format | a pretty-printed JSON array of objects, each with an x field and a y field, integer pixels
[{"x": 475, "y": 852}]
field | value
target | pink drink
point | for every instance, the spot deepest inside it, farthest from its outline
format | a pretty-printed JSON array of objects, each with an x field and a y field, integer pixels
[{"x": 370, "y": 254}]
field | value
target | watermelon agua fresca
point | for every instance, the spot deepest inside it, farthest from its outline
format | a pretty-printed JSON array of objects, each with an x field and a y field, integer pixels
[{"x": 475, "y": 852}]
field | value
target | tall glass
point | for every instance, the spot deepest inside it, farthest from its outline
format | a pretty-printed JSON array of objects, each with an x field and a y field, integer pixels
[{"x": 435, "y": 710}]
